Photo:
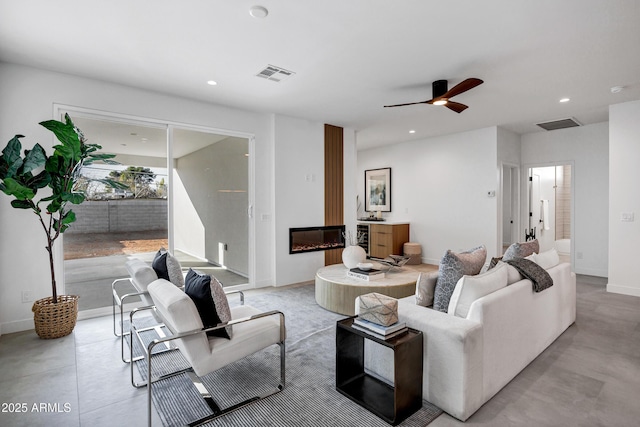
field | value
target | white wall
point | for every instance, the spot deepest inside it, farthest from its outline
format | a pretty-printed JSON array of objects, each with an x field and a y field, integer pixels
[
  {"x": 624, "y": 196},
  {"x": 299, "y": 194},
  {"x": 440, "y": 186},
  {"x": 587, "y": 149},
  {"x": 28, "y": 96}
]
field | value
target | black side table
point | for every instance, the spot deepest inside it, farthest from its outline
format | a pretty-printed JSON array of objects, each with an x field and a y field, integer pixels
[{"x": 391, "y": 403}]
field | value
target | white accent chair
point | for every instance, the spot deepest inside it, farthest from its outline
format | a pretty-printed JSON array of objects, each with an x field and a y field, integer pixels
[
  {"x": 252, "y": 331},
  {"x": 141, "y": 275}
]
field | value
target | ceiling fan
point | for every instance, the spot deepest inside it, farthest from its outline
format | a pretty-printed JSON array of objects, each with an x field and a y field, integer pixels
[{"x": 441, "y": 96}]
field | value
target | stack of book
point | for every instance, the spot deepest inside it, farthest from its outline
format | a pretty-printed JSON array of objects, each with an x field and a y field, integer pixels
[
  {"x": 379, "y": 331},
  {"x": 371, "y": 274}
]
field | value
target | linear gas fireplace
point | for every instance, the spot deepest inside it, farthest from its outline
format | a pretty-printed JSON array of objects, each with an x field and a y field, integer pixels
[{"x": 310, "y": 239}]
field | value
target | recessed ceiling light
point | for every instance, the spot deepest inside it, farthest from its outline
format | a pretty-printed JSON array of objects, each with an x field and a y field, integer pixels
[
  {"x": 565, "y": 100},
  {"x": 412, "y": 131},
  {"x": 212, "y": 82},
  {"x": 258, "y": 12}
]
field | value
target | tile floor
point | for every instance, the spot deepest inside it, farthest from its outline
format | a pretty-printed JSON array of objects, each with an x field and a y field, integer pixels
[{"x": 590, "y": 376}]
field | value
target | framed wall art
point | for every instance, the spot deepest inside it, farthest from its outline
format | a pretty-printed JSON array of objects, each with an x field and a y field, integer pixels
[{"x": 377, "y": 190}]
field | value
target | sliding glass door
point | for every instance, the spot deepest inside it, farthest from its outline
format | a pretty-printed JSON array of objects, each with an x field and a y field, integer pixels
[
  {"x": 189, "y": 192},
  {"x": 211, "y": 201}
]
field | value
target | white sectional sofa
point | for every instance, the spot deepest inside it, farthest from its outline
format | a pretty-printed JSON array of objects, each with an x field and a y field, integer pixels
[{"x": 468, "y": 360}]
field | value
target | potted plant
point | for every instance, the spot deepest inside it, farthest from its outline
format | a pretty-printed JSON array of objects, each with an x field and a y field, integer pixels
[{"x": 22, "y": 175}]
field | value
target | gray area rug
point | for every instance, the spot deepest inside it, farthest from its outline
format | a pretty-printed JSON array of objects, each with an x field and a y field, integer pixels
[{"x": 309, "y": 398}]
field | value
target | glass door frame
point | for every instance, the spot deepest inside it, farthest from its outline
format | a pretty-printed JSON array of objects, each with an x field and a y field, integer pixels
[{"x": 60, "y": 109}]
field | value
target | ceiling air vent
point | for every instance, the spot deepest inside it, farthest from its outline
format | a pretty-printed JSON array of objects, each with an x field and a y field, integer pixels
[
  {"x": 273, "y": 73},
  {"x": 559, "y": 124}
]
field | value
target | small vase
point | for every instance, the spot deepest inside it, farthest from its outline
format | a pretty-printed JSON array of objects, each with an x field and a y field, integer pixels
[{"x": 352, "y": 255}]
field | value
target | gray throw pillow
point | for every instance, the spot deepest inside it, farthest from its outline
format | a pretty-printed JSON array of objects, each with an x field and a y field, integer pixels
[
  {"x": 521, "y": 250},
  {"x": 425, "y": 287},
  {"x": 452, "y": 267}
]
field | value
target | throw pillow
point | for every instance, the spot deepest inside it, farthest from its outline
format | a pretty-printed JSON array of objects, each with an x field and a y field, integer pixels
[
  {"x": 452, "y": 267},
  {"x": 159, "y": 264},
  {"x": 199, "y": 288},
  {"x": 547, "y": 259},
  {"x": 168, "y": 267},
  {"x": 470, "y": 288},
  {"x": 425, "y": 287},
  {"x": 494, "y": 262},
  {"x": 521, "y": 250}
]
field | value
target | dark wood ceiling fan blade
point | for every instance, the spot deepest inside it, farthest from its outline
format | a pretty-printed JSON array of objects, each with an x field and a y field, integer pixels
[
  {"x": 402, "y": 105},
  {"x": 456, "y": 106},
  {"x": 462, "y": 87}
]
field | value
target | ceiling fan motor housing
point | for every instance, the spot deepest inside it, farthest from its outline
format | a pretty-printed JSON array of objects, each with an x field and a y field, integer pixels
[{"x": 439, "y": 88}]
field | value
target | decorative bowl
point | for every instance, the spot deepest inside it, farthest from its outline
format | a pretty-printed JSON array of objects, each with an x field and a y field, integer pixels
[{"x": 365, "y": 266}]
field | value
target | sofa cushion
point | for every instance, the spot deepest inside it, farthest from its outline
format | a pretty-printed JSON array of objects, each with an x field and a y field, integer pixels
[
  {"x": 547, "y": 259},
  {"x": 470, "y": 288},
  {"x": 425, "y": 287},
  {"x": 521, "y": 250},
  {"x": 210, "y": 301},
  {"x": 168, "y": 267},
  {"x": 513, "y": 275},
  {"x": 452, "y": 267}
]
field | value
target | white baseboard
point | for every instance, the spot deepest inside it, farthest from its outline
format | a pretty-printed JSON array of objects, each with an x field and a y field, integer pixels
[
  {"x": 17, "y": 326},
  {"x": 591, "y": 272},
  {"x": 624, "y": 290}
]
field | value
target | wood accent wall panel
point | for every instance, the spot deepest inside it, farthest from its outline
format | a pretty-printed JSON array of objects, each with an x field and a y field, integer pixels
[{"x": 333, "y": 185}]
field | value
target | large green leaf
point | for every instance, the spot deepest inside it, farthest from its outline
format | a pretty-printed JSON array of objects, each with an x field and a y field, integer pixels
[
  {"x": 40, "y": 181},
  {"x": 34, "y": 158},
  {"x": 75, "y": 198},
  {"x": 11, "y": 152},
  {"x": 17, "y": 190},
  {"x": 68, "y": 217},
  {"x": 11, "y": 159},
  {"x": 67, "y": 135},
  {"x": 22, "y": 204}
]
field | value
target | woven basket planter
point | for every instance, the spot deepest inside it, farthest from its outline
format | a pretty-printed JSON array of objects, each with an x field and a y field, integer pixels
[{"x": 55, "y": 320}]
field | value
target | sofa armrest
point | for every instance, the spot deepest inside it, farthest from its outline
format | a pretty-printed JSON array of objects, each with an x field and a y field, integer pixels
[{"x": 453, "y": 357}]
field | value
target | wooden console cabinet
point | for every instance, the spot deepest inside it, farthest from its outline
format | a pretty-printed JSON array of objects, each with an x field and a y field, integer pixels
[{"x": 386, "y": 239}]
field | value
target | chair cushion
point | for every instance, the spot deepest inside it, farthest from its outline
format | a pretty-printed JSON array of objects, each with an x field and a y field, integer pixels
[
  {"x": 470, "y": 288},
  {"x": 210, "y": 300},
  {"x": 248, "y": 337},
  {"x": 141, "y": 273},
  {"x": 168, "y": 267},
  {"x": 452, "y": 267}
]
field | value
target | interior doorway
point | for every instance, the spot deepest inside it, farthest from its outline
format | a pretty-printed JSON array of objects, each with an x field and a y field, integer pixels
[
  {"x": 550, "y": 208},
  {"x": 510, "y": 204}
]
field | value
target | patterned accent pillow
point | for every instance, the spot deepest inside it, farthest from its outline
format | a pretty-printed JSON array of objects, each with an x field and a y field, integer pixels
[
  {"x": 452, "y": 267},
  {"x": 210, "y": 300},
  {"x": 521, "y": 250},
  {"x": 168, "y": 267}
]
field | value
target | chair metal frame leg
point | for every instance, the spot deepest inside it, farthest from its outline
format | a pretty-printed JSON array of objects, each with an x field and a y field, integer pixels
[
  {"x": 217, "y": 411},
  {"x": 120, "y": 301}
]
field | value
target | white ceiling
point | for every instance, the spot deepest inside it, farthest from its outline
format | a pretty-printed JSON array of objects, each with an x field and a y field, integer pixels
[{"x": 350, "y": 57}]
